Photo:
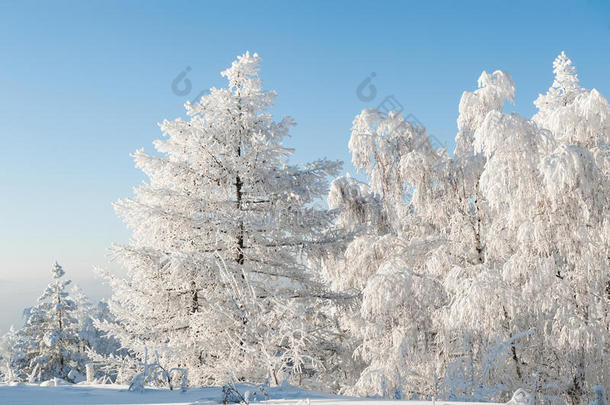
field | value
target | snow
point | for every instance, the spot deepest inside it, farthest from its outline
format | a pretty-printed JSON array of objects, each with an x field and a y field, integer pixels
[
  {"x": 465, "y": 276},
  {"x": 223, "y": 231},
  {"x": 486, "y": 271},
  {"x": 33, "y": 394}
]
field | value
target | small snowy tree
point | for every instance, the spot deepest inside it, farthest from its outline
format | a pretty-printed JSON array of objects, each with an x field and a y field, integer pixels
[
  {"x": 99, "y": 348},
  {"x": 7, "y": 344},
  {"x": 48, "y": 345},
  {"x": 223, "y": 230},
  {"x": 93, "y": 339}
]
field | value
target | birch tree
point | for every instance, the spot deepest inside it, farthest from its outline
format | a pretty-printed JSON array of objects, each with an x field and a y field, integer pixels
[{"x": 484, "y": 271}]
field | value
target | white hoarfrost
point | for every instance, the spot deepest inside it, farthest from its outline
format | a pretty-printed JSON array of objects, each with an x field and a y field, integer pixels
[
  {"x": 464, "y": 276},
  {"x": 223, "y": 231},
  {"x": 485, "y": 271},
  {"x": 49, "y": 345}
]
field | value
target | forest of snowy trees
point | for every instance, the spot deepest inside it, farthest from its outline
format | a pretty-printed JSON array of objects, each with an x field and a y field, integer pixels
[{"x": 463, "y": 275}]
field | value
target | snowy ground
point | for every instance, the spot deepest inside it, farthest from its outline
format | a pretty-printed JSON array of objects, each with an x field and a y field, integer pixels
[{"x": 30, "y": 394}]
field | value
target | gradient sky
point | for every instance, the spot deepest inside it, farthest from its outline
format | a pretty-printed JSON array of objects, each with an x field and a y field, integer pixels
[{"x": 83, "y": 84}]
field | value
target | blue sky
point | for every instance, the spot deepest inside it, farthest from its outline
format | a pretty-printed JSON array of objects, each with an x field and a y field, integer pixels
[{"x": 83, "y": 84}]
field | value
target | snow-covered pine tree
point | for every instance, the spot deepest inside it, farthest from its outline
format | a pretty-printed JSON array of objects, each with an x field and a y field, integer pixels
[
  {"x": 218, "y": 281},
  {"x": 48, "y": 345}
]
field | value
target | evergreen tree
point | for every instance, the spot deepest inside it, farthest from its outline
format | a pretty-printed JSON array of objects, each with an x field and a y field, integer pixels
[
  {"x": 48, "y": 345},
  {"x": 223, "y": 231}
]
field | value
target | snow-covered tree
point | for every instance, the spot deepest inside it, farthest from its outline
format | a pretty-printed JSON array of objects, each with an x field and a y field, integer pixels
[
  {"x": 571, "y": 232},
  {"x": 546, "y": 240},
  {"x": 98, "y": 347},
  {"x": 7, "y": 343},
  {"x": 218, "y": 279},
  {"x": 375, "y": 264},
  {"x": 48, "y": 345},
  {"x": 488, "y": 270}
]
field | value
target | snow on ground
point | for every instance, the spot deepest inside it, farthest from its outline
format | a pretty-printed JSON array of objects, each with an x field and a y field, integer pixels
[{"x": 32, "y": 394}]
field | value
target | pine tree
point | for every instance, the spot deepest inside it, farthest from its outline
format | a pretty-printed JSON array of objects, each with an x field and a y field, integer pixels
[
  {"x": 223, "y": 231},
  {"x": 48, "y": 345}
]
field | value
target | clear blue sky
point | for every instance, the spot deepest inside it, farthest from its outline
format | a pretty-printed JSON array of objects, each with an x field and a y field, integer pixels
[{"x": 83, "y": 84}]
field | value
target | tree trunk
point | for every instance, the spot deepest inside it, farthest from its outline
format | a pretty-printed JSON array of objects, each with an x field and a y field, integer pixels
[
  {"x": 240, "y": 235},
  {"x": 194, "y": 298},
  {"x": 513, "y": 349}
]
